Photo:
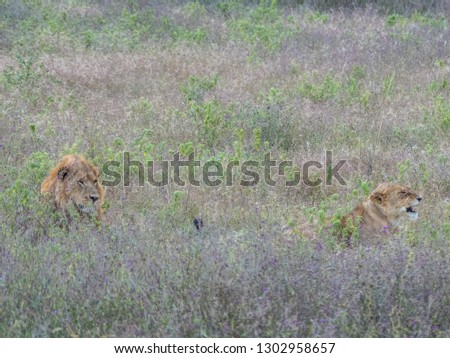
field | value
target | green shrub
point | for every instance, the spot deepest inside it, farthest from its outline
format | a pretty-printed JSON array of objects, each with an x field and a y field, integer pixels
[
  {"x": 326, "y": 90},
  {"x": 264, "y": 28},
  {"x": 196, "y": 87}
]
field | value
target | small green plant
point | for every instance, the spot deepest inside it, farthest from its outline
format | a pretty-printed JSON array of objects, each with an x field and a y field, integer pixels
[
  {"x": 177, "y": 198},
  {"x": 209, "y": 116},
  {"x": 196, "y": 36},
  {"x": 238, "y": 144},
  {"x": 75, "y": 147},
  {"x": 141, "y": 108},
  {"x": 275, "y": 126},
  {"x": 425, "y": 173},
  {"x": 194, "y": 9},
  {"x": 229, "y": 8},
  {"x": 32, "y": 127},
  {"x": 438, "y": 86},
  {"x": 118, "y": 142},
  {"x": 353, "y": 82},
  {"x": 113, "y": 152},
  {"x": 395, "y": 19},
  {"x": 257, "y": 132},
  {"x": 174, "y": 213},
  {"x": 403, "y": 168},
  {"x": 263, "y": 28},
  {"x": 388, "y": 85},
  {"x": 326, "y": 90},
  {"x": 168, "y": 28},
  {"x": 366, "y": 187},
  {"x": 417, "y": 18},
  {"x": 144, "y": 145},
  {"x": 364, "y": 100},
  {"x": 441, "y": 63},
  {"x": 317, "y": 17},
  {"x": 442, "y": 112},
  {"x": 196, "y": 87},
  {"x": 351, "y": 230},
  {"x": 186, "y": 149},
  {"x": 134, "y": 25},
  {"x": 295, "y": 69},
  {"x": 88, "y": 38},
  {"x": 23, "y": 197},
  {"x": 275, "y": 96},
  {"x": 439, "y": 21},
  {"x": 25, "y": 72}
]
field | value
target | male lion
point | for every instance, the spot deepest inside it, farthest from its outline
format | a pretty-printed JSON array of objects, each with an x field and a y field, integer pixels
[
  {"x": 75, "y": 180},
  {"x": 382, "y": 211}
]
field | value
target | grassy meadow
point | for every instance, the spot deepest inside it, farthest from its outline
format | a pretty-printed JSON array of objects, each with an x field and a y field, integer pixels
[{"x": 228, "y": 81}]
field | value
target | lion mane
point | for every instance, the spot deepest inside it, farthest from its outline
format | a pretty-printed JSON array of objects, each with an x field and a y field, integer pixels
[{"x": 74, "y": 180}]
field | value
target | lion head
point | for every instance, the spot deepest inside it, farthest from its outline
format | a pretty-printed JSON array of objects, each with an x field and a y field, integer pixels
[
  {"x": 396, "y": 201},
  {"x": 382, "y": 212},
  {"x": 75, "y": 180}
]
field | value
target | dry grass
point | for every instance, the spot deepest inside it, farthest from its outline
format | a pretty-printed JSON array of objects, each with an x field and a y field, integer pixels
[{"x": 100, "y": 80}]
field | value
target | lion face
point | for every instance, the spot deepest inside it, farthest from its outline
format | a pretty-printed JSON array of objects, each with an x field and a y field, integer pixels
[
  {"x": 396, "y": 200},
  {"x": 84, "y": 191},
  {"x": 381, "y": 213},
  {"x": 75, "y": 180}
]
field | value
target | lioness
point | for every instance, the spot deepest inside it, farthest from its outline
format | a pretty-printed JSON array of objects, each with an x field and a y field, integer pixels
[
  {"x": 75, "y": 180},
  {"x": 382, "y": 211}
]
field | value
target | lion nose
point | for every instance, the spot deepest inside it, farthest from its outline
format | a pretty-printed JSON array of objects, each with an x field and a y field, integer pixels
[
  {"x": 94, "y": 198},
  {"x": 419, "y": 198}
]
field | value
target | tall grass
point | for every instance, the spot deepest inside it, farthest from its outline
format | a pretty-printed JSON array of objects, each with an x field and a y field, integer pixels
[{"x": 227, "y": 81}]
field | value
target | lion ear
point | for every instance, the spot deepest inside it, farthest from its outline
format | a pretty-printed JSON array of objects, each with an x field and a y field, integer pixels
[
  {"x": 62, "y": 173},
  {"x": 377, "y": 197}
]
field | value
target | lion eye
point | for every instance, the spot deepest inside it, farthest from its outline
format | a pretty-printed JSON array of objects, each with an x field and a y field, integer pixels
[
  {"x": 81, "y": 182},
  {"x": 95, "y": 181}
]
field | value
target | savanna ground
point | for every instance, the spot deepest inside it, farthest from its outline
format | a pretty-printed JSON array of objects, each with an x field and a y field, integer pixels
[{"x": 230, "y": 81}]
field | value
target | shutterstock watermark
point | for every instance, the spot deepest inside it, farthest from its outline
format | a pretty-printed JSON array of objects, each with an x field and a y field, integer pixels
[{"x": 213, "y": 173}]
